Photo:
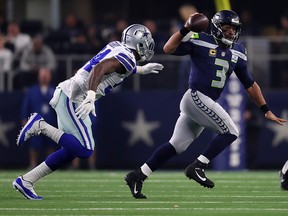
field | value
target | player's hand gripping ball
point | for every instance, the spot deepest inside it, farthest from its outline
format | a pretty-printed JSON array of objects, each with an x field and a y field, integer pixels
[{"x": 197, "y": 22}]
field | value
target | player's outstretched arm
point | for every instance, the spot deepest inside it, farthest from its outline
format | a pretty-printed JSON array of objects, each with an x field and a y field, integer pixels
[
  {"x": 256, "y": 94},
  {"x": 269, "y": 115}
]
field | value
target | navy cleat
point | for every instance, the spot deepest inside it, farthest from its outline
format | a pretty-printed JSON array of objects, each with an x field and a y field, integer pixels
[
  {"x": 283, "y": 180},
  {"x": 135, "y": 181},
  {"x": 31, "y": 128},
  {"x": 26, "y": 188},
  {"x": 196, "y": 172}
]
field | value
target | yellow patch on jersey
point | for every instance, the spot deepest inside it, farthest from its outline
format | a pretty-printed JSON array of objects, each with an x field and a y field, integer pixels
[
  {"x": 195, "y": 35},
  {"x": 212, "y": 52}
]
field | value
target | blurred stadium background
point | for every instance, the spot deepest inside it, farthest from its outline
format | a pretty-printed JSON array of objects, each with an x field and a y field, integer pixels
[{"x": 75, "y": 30}]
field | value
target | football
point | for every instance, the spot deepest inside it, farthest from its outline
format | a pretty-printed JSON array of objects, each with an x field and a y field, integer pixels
[{"x": 197, "y": 22}]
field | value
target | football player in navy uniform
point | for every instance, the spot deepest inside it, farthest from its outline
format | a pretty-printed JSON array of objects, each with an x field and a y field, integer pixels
[
  {"x": 214, "y": 57},
  {"x": 74, "y": 99}
]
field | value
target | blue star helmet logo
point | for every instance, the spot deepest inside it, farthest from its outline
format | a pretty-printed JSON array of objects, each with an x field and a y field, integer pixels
[{"x": 145, "y": 34}]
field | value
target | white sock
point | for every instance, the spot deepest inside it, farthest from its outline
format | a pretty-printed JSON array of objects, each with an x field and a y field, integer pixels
[
  {"x": 38, "y": 172},
  {"x": 285, "y": 167},
  {"x": 50, "y": 131},
  {"x": 203, "y": 159},
  {"x": 146, "y": 169}
]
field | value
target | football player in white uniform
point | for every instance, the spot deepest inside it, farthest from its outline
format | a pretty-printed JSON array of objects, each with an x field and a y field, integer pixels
[{"x": 74, "y": 99}]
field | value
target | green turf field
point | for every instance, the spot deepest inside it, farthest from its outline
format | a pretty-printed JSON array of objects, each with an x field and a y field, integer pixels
[{"x": 169, "y": 193}]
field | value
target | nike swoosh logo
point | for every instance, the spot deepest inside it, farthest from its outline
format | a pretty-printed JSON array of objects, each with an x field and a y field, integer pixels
[
  {"x": 135, "y": 189},
  {"x": 282, "y": 180},
  {"x": 202, "y": 179}
]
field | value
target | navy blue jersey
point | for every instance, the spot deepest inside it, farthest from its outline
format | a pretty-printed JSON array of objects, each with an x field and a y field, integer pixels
[{"x": 211, "y": 64}]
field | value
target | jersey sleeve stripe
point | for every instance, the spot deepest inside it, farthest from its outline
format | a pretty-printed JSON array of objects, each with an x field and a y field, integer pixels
[
  {"x": 239, "y": 54},
  {"x": 204, "y": 44},
  {"x": 124, "y": 62},
  {"x": 128, "y": 59}
]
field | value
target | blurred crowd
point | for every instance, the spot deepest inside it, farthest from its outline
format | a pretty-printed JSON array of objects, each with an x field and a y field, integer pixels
[{"x": 27, "y": 46}]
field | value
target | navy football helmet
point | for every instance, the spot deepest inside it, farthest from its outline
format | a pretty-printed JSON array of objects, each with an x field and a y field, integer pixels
[{"x": 225, "y": 17}]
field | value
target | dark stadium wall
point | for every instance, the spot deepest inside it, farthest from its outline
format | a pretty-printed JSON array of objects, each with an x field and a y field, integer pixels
[{"x": 143, "y": 121}]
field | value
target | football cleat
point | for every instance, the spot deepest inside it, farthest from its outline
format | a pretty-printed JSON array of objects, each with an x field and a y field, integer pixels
[
  {"x": 135, "y": 181},
  {"x": 26, "y": 188},
  {"x": 31, "y": 128},
  {"x": 283, "y": 180},
  {"x": 196, "y": 172}
]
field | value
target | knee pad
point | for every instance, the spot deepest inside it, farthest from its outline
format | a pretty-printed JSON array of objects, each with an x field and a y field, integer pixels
[
  {"x": 180, "y": 146},
  {"x": 84, "y": 153},
  {"x": 73, "y": 145}
]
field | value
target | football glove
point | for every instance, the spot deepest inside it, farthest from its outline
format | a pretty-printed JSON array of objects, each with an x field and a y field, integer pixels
[
  {"x": 149, "y": 68},
  {"x": 86, "y": 106}
]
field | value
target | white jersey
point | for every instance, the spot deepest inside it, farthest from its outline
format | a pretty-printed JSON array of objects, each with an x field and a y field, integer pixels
[{"x": 76, "y": 87}]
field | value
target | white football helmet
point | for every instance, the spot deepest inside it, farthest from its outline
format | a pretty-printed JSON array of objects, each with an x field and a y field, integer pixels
[{"x": 139, "y": 38}]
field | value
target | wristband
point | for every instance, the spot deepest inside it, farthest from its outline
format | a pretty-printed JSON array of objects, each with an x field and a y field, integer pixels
[
  {"x": 264, "y": 108},
  {"x": 139, "y": 69},
  {"x": 184, "y": 31},
  {"x": 91, "y": 95}
]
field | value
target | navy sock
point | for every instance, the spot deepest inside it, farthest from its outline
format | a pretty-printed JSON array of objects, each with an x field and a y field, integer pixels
[
  {"x": 73, "y": 145},
  {"x": 162, "y": 154},
  {"x": 58, "y": 159},
  {"x": 218, "y": 144}
]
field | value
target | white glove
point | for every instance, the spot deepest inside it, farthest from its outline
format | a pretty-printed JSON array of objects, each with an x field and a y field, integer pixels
[
  {"x": 150, "y": 68},
  {"x": 86, "y": 106}
]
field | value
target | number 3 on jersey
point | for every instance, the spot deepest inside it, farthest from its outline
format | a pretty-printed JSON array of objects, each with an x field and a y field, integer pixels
[{"x": 220, "y": 73}]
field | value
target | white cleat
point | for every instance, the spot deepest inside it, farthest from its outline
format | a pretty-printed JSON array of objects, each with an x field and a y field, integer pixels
[
  {"x": 26, "y": 188},
  {"x": 31, "y": 128}
]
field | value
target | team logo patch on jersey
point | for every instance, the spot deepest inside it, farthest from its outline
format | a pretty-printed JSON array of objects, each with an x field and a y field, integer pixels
[
  {"x": 212, "y": 52},
  {"x": 234, "y": 58},
  {"x": 195, "y": 35}
]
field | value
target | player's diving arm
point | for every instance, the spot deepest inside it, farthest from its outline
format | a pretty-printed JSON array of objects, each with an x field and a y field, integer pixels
[{"x": 107, "y": 66}]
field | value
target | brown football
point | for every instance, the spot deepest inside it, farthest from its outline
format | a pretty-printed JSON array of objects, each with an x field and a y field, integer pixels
[{"x": 198, "y": 22}]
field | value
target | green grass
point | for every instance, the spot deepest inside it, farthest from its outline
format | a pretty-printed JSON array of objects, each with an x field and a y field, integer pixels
[{"x": 169, "y": 194}]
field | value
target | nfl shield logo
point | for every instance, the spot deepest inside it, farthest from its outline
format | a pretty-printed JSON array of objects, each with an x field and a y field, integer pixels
[{"x": 234, "y": 58}]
